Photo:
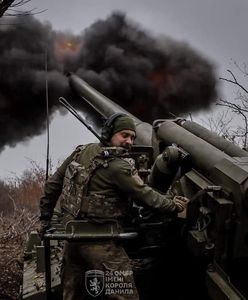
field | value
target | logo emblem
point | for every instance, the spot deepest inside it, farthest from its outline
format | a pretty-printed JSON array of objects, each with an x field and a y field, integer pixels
[{"x": 94, "y": 282}]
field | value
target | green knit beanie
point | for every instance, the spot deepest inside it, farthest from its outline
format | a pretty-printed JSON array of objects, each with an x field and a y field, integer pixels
[{"x": 122, "y": 123}]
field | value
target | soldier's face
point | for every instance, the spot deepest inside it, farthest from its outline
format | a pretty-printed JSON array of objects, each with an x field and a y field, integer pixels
[{"x": 123, "y": 138}]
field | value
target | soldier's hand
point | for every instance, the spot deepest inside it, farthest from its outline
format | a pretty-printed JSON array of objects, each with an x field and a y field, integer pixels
[
  {"x": 181, "y": 203},
  {"x": 44, "y": 226}
]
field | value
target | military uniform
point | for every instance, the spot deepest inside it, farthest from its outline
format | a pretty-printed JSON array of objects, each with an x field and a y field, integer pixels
[
  {"x": 118, "y": 179},
  {"x": 104, "y": 184}
]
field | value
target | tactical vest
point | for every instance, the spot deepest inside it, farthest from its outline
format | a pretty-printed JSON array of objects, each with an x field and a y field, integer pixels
[{"x": 75, "y": 198}]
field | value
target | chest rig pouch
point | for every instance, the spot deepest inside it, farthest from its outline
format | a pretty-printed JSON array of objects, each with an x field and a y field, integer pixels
[{"x": 75, "y": 200}]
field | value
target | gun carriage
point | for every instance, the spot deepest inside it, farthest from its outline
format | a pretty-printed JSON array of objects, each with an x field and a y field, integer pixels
[{"x": 205, "y": 250}]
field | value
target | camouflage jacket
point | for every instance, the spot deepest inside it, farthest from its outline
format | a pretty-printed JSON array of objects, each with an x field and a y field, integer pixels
[{"x": 117, "y": 179}]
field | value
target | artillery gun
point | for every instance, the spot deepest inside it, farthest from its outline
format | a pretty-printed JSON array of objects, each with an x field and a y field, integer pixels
[{"x": 204, "y": 251}]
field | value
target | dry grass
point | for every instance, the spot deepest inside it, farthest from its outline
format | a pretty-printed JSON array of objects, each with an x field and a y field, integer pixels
[
  {"x": 19, "y": 198},
  {"x": 14, "y": 230}
]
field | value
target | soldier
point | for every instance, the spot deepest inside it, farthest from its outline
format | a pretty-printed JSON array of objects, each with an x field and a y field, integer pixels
[{"x": 96, "y": 183}]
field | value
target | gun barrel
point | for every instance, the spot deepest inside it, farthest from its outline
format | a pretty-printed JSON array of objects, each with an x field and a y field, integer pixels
[
  {"x": 213, "y": 139},
  {"x": 107, "y": 107},
  {"x": 205, "y": 156}
]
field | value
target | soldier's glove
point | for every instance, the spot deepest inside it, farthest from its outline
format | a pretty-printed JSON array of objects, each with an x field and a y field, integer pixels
[
  {"x": 43, "y": 228},
  {"x": 181, "y": 203}
]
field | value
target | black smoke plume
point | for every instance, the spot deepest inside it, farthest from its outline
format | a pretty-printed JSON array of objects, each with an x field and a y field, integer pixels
[{"x": 149, "y": 76}]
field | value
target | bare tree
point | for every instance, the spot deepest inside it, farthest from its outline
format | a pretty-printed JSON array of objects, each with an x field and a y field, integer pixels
[
  {"x": 232, "y": 121},
  {"x": 222, "y": 124},
  {"x": 238, "y": 108},
  {"x": 11, "y": 8},
  {"x": 4, "y": 5}
]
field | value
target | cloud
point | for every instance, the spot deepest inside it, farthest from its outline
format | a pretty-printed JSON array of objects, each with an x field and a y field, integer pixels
[{"x": 149, "y": 76}]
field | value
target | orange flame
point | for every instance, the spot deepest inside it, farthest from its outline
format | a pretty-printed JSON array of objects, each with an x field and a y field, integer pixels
[{"x": 64, "y": 48}]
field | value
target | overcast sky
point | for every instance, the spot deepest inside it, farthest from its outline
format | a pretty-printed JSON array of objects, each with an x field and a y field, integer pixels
[{"x": 216, "y": 28}]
